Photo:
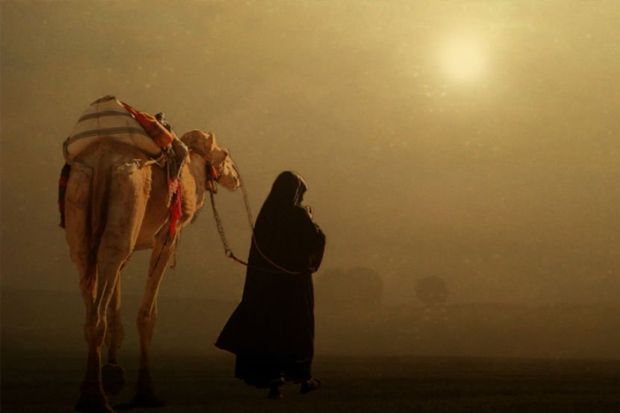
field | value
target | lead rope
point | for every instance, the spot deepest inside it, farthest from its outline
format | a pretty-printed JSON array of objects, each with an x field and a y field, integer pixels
[{"x": 220, "y": 229}]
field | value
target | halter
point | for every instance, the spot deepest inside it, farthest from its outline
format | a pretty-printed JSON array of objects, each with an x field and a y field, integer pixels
[
  {"x": 211, "y": 173},
  {"x": 212, "y": 177}
]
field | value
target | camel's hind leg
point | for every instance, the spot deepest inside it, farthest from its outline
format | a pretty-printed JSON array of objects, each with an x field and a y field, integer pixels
[
  {"x": 115, "y": 332},
  {"x": 124, "y": 211},
  {"x": 97, "y": 295},
  {"x": 79, "y": 237},
  {"x": 112, "y": 373},
  {"x": 92, "y": 396},
  {"x": 147, "y": 316}
]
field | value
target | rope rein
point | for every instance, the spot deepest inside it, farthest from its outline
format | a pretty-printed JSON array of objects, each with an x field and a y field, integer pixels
[{"x": 220, "y": 229}]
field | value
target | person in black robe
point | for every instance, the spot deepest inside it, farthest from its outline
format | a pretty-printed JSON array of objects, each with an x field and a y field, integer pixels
[{"x": 272, "y": 330}]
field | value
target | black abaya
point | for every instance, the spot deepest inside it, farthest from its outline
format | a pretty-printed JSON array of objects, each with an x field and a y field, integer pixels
[{"x": 272, "y": 329}]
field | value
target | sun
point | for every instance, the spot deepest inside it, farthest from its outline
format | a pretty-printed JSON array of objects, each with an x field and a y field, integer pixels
[{"x": 462, "y": 59}]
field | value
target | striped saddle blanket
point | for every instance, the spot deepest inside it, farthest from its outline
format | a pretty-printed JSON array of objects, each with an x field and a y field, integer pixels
[{"x": 108, "y": 118}]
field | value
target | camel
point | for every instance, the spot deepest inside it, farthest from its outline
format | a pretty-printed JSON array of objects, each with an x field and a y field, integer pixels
[{"x": 115, "y": 203}]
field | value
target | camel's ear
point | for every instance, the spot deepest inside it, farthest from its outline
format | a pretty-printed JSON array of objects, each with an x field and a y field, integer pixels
[{"x": 210, "y": 143}]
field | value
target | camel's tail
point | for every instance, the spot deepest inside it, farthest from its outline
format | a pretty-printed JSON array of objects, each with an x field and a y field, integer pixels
[
  {"x": 84, "y": 212},
  {"x": 62, "y": 189}
]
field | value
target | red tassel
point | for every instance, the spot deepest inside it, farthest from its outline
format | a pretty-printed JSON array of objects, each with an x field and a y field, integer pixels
[
  {"x": 176, "y": 209},
  {"x": 212, "y": 172}
]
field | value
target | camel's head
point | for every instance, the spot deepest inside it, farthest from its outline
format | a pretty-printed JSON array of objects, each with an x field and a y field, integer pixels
[{"x": 219, "y": 163}]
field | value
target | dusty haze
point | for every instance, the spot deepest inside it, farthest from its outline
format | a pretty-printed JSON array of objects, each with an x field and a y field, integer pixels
[{"x": 475, "y": 141}]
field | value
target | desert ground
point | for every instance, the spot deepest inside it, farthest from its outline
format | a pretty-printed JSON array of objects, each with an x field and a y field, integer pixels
[
  {"x": 49, "y": 383},
  {"x": 384, "y": 369}
]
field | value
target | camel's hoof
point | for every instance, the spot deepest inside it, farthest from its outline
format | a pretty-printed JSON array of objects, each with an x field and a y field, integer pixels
[
  {"x": 275, "y": 394},
  {"x": 148, "y": 402},
  {"x": 88, "y": 406},
  {"x": 113, "y": 378},
  {"x": 145, "y": 402}
]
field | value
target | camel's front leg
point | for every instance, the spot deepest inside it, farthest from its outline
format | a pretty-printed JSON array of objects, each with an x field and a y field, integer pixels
[{"x": 147, "y": 315}]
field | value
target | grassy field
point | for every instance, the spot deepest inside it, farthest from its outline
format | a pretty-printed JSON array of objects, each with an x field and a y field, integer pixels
[{"x": 37, "y": 383}]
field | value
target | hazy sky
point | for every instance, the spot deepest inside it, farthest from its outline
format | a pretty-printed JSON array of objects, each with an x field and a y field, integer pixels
[{"x": 474, "y": 140}]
